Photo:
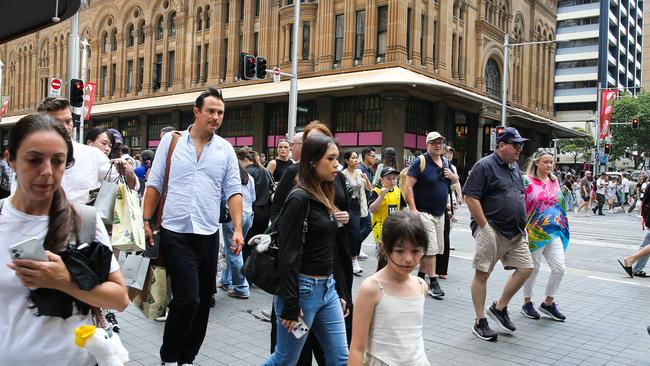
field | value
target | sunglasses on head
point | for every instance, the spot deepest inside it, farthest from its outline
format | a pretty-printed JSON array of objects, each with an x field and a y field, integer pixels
[{"x": 543, "y": 150}]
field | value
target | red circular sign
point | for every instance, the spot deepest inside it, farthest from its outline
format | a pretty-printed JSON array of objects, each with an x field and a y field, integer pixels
[
  {"x": 276, "y": 71},
  {"x": 56, "y": 84}
]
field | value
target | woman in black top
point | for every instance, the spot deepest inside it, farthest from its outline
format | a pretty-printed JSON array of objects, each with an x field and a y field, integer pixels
[
  {"x": 277, "y": 166},
  {"x": 306, "y": 270}
]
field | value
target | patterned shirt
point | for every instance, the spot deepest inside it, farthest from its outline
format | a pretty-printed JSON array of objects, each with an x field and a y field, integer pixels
[{"x": 546, "y": 210}]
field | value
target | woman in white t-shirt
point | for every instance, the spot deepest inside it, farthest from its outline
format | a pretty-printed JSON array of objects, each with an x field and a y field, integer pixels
[{"x": 39, "y": 151}]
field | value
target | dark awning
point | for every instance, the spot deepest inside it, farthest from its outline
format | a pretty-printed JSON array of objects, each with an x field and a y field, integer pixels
[{"x": 21, "y": 17}]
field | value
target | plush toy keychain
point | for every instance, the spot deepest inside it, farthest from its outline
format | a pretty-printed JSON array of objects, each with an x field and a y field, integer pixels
[{"x": 106, "y": 347}]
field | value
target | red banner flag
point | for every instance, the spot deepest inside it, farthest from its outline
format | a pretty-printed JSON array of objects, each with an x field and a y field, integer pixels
[
  {"x": 5, "y": 104},
  {"x": 89, "y": 98},
  {"x": 607, "y": 99}
]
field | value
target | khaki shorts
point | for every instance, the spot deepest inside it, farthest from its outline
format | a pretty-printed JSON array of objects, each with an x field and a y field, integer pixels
[
  {"x": 492, "y": 247},
  {"x": 435, "y": 226}
]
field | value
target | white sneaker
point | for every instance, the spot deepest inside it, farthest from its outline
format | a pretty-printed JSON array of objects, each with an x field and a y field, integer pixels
[
  {"x": 362, "y": 256},
  {"x": 356, "y": 268},
  {"x": 169, "y": 363}
]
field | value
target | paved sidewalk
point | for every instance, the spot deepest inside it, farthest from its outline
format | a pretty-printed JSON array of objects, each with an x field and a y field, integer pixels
[{"x": 606, "y": 324}]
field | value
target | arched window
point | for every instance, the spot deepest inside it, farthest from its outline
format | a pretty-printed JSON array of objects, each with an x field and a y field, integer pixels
[
  {"x": 141, "y": 34},
  {"x": 207, "y": 17},
  {"x": 172, "y": 24},
  {"x": 130, "y": 36},
  {"x": 160, "y": 30},
  {"x": 492, "y": 79},
  {"x": 199, "y": 19}
]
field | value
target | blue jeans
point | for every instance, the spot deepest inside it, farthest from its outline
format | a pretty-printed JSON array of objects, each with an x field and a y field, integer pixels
[
  {"x": 231, "y": 277},
  {"x": 640, "y": 264},
  {"x": 322, "y": 313}
]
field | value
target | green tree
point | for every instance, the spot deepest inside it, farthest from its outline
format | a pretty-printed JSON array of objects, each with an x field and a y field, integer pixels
[
  {"x": 577, "y": 147},
  {"x": 627, "y": 142}
]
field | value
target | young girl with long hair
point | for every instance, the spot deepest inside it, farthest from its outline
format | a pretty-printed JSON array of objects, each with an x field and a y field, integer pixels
[
  {"x": 40, "y": 151},
  {"x": 548, "y": 231},
  {"x": 308, "y": 294},
  {"x": 389, "y": 310}
]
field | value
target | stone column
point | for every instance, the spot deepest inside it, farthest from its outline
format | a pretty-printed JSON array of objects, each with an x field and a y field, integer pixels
[
  {"x": 418, "y": 53},
  {"x": 393, "y": 118},
  {"x": 233, "y": 44},
  {"x": 259, "y": 135},
  {"x": 552, "y": 78},
  {"x": 148, "y": 55},
  {"x": 349, "y": 18},
  {"x": 531, "y": 74},
  {"x": 479, "y": 138},
  {"x": 324, "y": 106},
  {"x": 397, "y": 21},
  {"x": 444, "y": 38},
  {"x": 326, "y": 35},
  {"x": 217, "y": 49},
  {"x": 120, "y": 73},
  {"x": 370, "y": 37}
]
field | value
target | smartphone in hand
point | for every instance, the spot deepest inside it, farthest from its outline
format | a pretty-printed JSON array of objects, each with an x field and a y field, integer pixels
[
  {"x": 300, "y": 329},
  {"x": 28, "y": 249}
]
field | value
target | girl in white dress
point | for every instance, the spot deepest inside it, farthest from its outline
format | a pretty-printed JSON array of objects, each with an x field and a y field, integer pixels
[{"x": 389, "y": 310}]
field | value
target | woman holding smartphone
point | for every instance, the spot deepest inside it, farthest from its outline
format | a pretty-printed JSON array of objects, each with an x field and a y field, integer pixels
[
  {"x": 308, "y": 294},
  {"x": 39, "y": 151}
]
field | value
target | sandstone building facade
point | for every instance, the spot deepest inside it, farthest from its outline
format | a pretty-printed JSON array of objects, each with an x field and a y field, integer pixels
[{"x": 379, "y": 72}]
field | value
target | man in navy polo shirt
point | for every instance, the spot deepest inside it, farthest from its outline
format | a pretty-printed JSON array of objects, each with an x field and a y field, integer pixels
[
  {"x": 426, "y": 192},
  {"x": 494, "y": 194}
]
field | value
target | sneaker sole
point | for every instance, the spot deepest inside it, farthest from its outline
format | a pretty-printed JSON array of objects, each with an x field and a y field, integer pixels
[
  {"x": 548, "y": 313},
  {"x": 435, "y": 296},
  {"x": 528, "y": 316},
  {"x": 490, "y": 339},
  {"x": 496, "y": 320}
]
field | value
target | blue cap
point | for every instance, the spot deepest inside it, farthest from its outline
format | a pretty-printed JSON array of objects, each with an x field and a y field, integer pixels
[{"x": 510, "y": 134}]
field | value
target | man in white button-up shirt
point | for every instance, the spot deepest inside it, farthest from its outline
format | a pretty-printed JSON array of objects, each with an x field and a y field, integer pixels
[{"x": 204, "y": 168}]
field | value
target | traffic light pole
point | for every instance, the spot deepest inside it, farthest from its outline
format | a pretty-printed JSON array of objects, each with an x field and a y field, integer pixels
[
  {"x": 84, "y": 56},
  {"x": 293, "y": 93},
  {"x": 73, "y": 61}
]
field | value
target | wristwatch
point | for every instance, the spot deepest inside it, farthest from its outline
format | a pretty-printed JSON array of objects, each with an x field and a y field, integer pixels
[{"x": 147, "y": 219}]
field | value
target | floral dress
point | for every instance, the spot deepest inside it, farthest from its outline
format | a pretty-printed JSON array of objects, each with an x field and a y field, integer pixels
[{"x": 546, "y": 210}]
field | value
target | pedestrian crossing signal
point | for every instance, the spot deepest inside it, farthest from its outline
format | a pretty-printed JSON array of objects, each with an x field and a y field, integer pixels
[
  {"x": 499, "y": 129},
  {"x": 635, "y": 123},
  {"x": 608, "y": 148}
]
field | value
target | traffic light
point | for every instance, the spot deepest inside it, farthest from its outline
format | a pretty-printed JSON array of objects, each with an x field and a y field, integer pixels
[
  {"x": 247, "y": 70},
  {"x": 499, "y": 129},
  {"x": 608, "y": 148},
  {"x": 635, "y": 123},
  {"x": 260, "y": 67},
  {"x": 76, "y": 93}
]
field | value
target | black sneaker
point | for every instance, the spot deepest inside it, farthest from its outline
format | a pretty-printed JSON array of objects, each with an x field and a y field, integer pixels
[
  {"x": 434, "y": 288},
  {"x": 529, "y": 311},
  {"x": 501, "y": 317},
  {"x": 483, "y": 331},
  {"x": 552, "y": 311}
]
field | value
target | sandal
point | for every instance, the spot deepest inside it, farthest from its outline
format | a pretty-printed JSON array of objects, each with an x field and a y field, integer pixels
[
  {"x": 627, "y": 269},
  {"x": 640, "y": 274}
]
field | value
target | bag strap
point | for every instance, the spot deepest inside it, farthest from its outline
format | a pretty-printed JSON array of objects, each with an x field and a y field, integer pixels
[
  {"x": 88, "y": 215},
  {"x": 163, "y": 195}
]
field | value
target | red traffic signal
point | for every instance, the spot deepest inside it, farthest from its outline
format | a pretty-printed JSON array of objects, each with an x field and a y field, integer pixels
[
  {"x": 249, "y": 67},
  {"x": 260, "y": 68},
  {"x": 635, "y": 123},
  {"x": 499, "y": 129},
  {"x": 76, "y": 93},
  {"x": 608, "y": 148}
]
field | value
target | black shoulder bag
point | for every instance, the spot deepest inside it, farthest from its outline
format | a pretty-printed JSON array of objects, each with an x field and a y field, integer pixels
[{"x": 261, "y": 269}]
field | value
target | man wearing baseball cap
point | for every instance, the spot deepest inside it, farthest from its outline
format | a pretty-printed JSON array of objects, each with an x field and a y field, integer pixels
[
  {"x": 494, "y": 193},
  {"x": 426, "y": 192}
]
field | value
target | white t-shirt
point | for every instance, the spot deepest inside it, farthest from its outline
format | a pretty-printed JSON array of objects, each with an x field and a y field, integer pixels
[
  {"x": 625, "y": 183},
  {"x": 27, "y": 339},
  {"x": 601, "y": 186},
  {"x": 87, "y": 173}
]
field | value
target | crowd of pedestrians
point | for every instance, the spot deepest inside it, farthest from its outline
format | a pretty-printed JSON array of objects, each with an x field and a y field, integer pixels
[{"x": 324, "y": 202}]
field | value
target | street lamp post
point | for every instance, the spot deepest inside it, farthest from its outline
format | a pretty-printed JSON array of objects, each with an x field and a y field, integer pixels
[
  {"x": 293, "y": 92},
  {"x": 506, "y": 60}
]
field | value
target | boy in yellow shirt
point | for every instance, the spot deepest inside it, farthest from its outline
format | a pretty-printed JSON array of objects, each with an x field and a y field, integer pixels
[{"x": 383, "y": 202}]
